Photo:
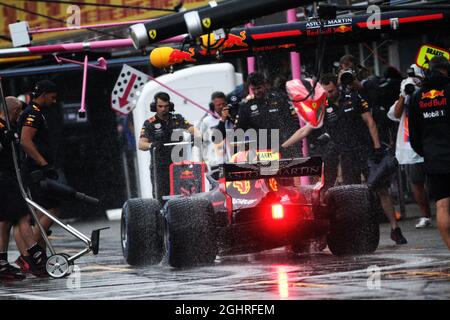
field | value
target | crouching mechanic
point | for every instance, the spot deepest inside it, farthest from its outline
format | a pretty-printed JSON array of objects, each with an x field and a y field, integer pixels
[
  {"x": 429, "y": 132},
  {"x": 13, "y": 209},
  {"x": 35, "y": 143},
  {"x": 157, "y": 131}
]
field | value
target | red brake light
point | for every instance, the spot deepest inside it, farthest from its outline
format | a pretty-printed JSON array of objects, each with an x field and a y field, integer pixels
[{"x": 277, "y": 211}]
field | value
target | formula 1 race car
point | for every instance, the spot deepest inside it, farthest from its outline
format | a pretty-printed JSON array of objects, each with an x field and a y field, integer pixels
[{"x": 256, "y": 206}]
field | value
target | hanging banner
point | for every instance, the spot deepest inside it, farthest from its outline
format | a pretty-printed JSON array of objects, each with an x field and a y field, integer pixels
[{"x": 125, "y": 93}]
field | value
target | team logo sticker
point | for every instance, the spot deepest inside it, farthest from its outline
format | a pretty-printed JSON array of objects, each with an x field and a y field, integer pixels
[
  {"x": 206, "y": 22},
  {"x": 242, "y": 186},
  {"x": 432, "y": 94},
  {"x": 152, "y": 34}
]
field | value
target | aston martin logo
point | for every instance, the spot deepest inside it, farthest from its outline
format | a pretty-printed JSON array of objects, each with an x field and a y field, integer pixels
[
  {"x": 206, "y": 22},
  {"x": 152, "y": 34}
]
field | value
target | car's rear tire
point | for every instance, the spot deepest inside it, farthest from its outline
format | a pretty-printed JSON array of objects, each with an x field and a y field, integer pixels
[
  {"x": 142, "y": 232},
  {"x": 354, "y": 227},
  {"x": 191, "y": 232}
]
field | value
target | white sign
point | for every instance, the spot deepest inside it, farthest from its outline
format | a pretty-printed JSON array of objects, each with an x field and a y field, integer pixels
[{"x": 127, "y": 89}]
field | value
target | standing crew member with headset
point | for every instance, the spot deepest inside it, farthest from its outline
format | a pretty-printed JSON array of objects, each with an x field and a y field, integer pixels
[{"x": 157, "y": 131}]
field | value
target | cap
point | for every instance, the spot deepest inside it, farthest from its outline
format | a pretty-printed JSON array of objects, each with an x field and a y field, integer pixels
[{"x": 44, "y": 86}]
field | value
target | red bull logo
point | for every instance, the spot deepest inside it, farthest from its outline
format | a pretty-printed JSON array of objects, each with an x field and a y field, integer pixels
[
  {"x": 432, "y": 94},
  {"x": 342, "y": 29},
  {"x": 433, "y": 98},
  {"x": 178, "y": 56},
  {"x": 187, "y": 174},
  {"x": 235, "y": 41}
]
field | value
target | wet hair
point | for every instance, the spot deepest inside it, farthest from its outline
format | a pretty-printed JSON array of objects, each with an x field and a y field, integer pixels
[
  {"x": 218, "y": 94},
  {"x": 44, "y": 86},
  {"x": 280, "y": 83},
  {"x": 392, "y": 73},
  {"x": 256, "y": 79},
  {"x": 328, "y": 78},
  {"x": 162, "y": 96},
  {"x": 349, "y": 59}
]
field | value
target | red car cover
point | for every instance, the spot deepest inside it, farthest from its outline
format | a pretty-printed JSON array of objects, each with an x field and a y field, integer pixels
[{"x": 312, "y": 109}]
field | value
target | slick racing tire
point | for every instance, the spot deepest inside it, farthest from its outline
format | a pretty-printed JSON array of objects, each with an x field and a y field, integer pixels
[
  {"x": 142, "y": 232},
  {"x": 354, "y": 227},
  {"x": 191, "y": 232}
]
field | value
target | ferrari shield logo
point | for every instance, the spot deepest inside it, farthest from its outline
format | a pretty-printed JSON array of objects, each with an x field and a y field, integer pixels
[
  {"x": 206, "y": 22},
  {"x": 152, "y": 34}
]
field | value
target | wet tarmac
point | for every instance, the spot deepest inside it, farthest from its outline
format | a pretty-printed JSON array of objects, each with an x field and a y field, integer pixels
[{"x": 418, "y": 270}]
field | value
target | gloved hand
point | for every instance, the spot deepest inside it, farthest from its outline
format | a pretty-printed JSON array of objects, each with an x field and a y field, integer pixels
[
  {"x": 7, "y": 137},
  {"x": 50, "y": 172},
  {"x": 157, "y": 145},
  {"x": 378, "y": 154},
  {"x": 323, "y": 139}
]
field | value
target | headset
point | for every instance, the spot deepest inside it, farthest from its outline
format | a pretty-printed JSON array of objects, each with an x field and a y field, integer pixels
[
  {"x": 42, "y": 87},
  {"x": 163, "y": 96}
]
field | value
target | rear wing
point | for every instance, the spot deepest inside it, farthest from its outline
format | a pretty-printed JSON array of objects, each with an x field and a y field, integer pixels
[{"x": 297, "y": 167}]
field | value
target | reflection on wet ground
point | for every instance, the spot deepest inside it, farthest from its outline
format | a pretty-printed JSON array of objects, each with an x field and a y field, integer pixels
[{"x": 419, "y": 270}]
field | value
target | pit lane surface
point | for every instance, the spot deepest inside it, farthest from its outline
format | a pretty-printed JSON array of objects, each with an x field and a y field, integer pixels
[{"x": 418, "y": 270}]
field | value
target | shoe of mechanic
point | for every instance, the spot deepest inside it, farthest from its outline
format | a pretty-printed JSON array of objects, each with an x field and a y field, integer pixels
[
  {"x": 423, "y": 223},
  {"x": 397, "y": 236},
  {"x": 10, "y": 273},
  {"x": 34, "y": 263}
]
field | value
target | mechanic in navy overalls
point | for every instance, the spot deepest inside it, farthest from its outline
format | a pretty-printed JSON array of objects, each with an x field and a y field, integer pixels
[
  {"x": 157, "y": 131},
  {"x": 270, "y": 110}
]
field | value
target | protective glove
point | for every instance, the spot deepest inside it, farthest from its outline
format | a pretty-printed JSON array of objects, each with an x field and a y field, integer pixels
[
  {"x": 157, "y": 144},
  {"x": 50, "y": 172},
  {"x": 6, "y": 137},
  {"x": 378, "y": 155},
  {"x": 323, "y": 139}
]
